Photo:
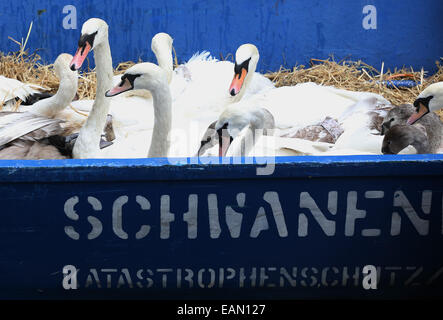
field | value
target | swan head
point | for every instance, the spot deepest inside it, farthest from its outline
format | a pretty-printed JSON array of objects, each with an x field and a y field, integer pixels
[
  {"x": 246, "y": 59},
  {"x": 400, "y": 136},
  {"x": 397, "y": 115},
  {"x": 430, "y": 99},
  {"x": 161, "y": 45},
  {"x": 161, "y": 42},
  {"x": 147, "y": 76},
  {"x": 242, "y": 122},
  {"x": 94, "y": 32},
  {"x": 62, "y": 67}
]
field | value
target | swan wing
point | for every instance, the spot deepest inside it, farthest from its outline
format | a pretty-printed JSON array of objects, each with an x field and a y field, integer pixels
[
  {"x": 259, "y": 84},
  {"x": 278, "y": 146},
  {"x": 303, "y": 105},
  {"x": 27, "y": 126},
  {"x": 358, "y": 95},
  {"x": 11, "y": 89},
  {"x": 360, "y": 139},
  {"x": 82, "y": 105}
]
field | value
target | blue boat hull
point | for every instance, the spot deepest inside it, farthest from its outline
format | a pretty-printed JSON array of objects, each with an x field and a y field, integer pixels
[
  {"x": 148, "y": 229},
  {"x": 153, "y": 229}
]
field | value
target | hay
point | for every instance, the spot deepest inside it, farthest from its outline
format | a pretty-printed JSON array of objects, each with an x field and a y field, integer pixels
[{"x": 28, "y": 69}]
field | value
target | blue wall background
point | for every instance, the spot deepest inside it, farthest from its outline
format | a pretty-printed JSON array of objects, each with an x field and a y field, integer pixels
[{"x": 286, "y": 32}]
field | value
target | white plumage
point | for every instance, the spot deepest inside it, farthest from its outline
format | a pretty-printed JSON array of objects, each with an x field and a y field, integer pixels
[
  {"x": 45, "y": 112},
  {"x": 12, "y": 89}
]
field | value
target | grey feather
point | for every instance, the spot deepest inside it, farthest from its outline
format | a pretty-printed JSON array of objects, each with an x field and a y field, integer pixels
[
  {"x": 30, "y": 150},
  {"x": 431, "y": 122}
]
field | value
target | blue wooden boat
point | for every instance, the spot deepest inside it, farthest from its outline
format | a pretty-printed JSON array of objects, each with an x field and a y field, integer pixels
[
  {"x": 149, "y": 228},
  {"x": 165, "y": 228}
]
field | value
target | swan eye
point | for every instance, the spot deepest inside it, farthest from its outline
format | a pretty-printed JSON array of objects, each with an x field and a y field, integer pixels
[
  {"x": 424, "y": 101},
  {"x": 131, "y": 78},
  {"x": 243, "y": 65},
  {"x": 220, "y": 131},
  {"x": 87, "y": 38},
  {"x": 203, "y": 142}
]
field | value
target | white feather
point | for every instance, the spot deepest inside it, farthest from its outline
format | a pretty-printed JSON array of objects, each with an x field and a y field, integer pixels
[
  {"x": 16, "y": 125},
  {"x": 11, "y": 89}
]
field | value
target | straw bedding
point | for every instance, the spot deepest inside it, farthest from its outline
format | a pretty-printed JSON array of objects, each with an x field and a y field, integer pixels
[{"x": 358, "y": 76}]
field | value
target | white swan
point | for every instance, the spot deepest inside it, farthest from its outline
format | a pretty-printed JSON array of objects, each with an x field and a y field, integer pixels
[
  {"x": 94, "y": 37},
  {"x": 201, "y": 73},
  {"x": 362, "y": 123},
  {"x": 198, "y": 89},
  {"x": 210, "y": 80},
  {"x": 241, "y": 127},
  {"x": 136, "y": 124},
  {"x": 44, "y": 112},
  {"x": 127, "y": 125},
  {"x": 133, "y": 120},
  {"x": 298, "y": 106},
  {"x": 161, "y": 46},
  {"x": 429, "y": 100},
  {"x": 189, "y": 84},
  {"x": 150, "y": 77},
  {"x": 198, "y": 86},
  {"x": 42, "y": 120},
  {"x": 248, "y": 131}
]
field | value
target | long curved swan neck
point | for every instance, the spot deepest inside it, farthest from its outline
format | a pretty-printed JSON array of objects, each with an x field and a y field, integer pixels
[
  {"x": 103, "y": 59},
  {"x": 88, "y": 141},
  {"x": 162, "y": 121},
  {"x": 53, "y": 105},
  {"x": 66, "y": 90},
  {"x": 65, "y": 94},
  {"x": 164, "y": 61},
  {"x": 161, "y": 45}
]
